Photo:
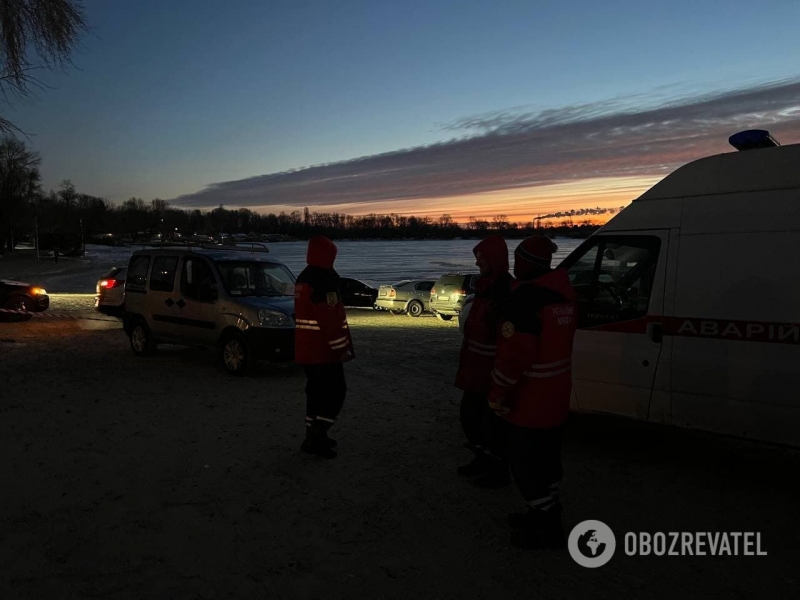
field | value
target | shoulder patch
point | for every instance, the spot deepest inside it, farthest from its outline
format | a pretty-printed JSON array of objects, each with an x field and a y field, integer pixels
[
  {"x": 507, "y": 329},
  {"x": 333, "y": 298}
]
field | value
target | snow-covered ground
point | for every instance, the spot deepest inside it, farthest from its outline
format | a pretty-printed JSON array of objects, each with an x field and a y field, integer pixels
[{"x": 375, "y": 262}]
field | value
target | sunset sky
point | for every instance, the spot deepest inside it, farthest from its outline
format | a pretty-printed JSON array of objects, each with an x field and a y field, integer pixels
[{"x": 431, "y": 107}]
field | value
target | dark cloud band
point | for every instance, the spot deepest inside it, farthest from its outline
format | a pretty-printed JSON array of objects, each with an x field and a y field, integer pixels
[{"x": 608, "y": 139}]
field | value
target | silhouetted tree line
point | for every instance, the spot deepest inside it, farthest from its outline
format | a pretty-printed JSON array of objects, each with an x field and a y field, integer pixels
[{"x": 66, "y": 218}]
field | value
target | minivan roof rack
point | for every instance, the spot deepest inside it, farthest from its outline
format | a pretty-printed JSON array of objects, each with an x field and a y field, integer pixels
[{"x": 253, "y": 247}]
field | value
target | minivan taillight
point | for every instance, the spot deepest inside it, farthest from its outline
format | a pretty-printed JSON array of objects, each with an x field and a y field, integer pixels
[{"x": 110, "y": 283}]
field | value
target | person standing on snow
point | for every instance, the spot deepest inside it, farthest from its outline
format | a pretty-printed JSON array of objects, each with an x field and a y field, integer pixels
[
  {"x": 322, "y": 344},
  {"x": 531, "y": 387},
  {"x": 486, "y": 433}
]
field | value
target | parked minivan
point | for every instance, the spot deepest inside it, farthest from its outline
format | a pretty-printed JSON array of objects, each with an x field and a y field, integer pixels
[
  {"x": 236, "y": 300},
  {"x": 449, "y": 292},
  {"x": 689, "y": 304}
]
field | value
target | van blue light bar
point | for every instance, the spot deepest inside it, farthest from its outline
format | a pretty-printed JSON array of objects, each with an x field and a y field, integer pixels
[{"x": 752, "y": 139}]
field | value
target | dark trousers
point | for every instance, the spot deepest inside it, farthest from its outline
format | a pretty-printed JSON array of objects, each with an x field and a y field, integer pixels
[
  {"x": 325, "y": 391},
  {"x": 535, "y": 463},
  {"x": 485, "y": 431}
]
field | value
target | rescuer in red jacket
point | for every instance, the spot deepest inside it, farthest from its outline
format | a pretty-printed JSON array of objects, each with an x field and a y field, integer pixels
[
  {"x": 531, "y": 387},
  {"x": 486, "y": 433},
  {"x": 322, "y": 344}
]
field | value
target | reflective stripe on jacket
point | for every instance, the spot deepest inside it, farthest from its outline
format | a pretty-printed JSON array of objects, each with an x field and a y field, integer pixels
[
  {"x": 532, "y": 375},
  {"x": 321, "y": 331},
  {"x": 479, "y": 347}
]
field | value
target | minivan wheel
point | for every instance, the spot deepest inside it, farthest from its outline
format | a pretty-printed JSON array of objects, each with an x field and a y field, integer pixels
[
  {"x": 444, "y": 317},
  {"x": 235, "y": 355},
  {"x": 142, "y": 342},
  {"x": 414, "y": 308}
]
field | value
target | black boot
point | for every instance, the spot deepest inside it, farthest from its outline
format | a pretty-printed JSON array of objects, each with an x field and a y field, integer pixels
[
  {"x": 519, "y": 520},
  {"x": 495, "y": 476},
  {"x": 541, "y": 529},
  {"x": 477, "y": 466},
  {"x": 317, "y": 440},
  {"x": 331, "y": 442}
]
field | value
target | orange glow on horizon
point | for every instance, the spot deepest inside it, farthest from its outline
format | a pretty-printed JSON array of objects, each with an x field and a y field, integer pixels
[{"x": 518, "y": 205}]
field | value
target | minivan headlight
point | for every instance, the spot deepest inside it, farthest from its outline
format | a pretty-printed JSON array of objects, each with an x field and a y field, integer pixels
[{"x": 274, "y": 318}]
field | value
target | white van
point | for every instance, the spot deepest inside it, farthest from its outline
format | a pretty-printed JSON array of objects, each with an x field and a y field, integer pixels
[{"x": 689, "y": 308}]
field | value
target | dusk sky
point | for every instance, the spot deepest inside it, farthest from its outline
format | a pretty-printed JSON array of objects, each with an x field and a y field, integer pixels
[{"x": 466, "y": 108}]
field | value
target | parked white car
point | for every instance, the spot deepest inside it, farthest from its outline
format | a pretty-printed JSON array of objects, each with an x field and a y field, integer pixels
[{"x": 110, "y": 297}]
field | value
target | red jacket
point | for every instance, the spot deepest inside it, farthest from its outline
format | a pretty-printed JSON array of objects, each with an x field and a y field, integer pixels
[
  {"x": 532, "y": 377},
  {"x": 321, "y": 331},
  {"x": 479, "y": 348}
]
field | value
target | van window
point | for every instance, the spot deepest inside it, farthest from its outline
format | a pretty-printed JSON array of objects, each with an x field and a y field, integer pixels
[
  {"x": 197, "y": 279},
  {"x": 252, "y": 278},
  {"x": 137, "y": 273},
  {"x": 613, "y": 278},
  {"x": 162, "y": 278}
]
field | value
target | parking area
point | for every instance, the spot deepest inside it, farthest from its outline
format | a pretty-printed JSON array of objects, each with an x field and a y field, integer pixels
[{"x": 164, "y": 477}]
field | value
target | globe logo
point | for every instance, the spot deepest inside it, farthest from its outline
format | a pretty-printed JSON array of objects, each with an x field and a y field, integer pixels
[{"x": 591, "y": 544}]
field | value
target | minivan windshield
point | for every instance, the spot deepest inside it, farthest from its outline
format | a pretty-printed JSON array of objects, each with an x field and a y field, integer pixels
[{"x": 252, "y": 278}]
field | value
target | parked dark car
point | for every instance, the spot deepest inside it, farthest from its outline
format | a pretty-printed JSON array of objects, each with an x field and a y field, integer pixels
[
  {"x": 357, "y": 293},
  {"x": 449, "y": 293},
  {"x": 23, "y": 298}
]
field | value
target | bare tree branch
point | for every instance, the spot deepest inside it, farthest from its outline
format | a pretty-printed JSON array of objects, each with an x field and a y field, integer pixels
[
  {"x": 51, "y": 27},
  {"x": 35, "y": 35}
]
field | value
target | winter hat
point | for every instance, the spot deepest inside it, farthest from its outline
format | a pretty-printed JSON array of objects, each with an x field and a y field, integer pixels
[{"x": 533, "y": 254}]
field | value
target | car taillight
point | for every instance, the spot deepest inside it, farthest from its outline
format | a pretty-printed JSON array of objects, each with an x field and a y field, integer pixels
[
  {"x": 110, "y": 283},
  {"x": 433, "y": 290},
  {"x": 461, "y": 292},
  {"x": 392, "y": 293}
]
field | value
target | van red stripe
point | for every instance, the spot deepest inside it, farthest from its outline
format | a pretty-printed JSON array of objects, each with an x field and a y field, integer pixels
[{"x": 725, "y": 329}]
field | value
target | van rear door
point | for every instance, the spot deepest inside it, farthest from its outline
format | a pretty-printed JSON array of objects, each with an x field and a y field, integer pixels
[{"x": 620, "y": 282}]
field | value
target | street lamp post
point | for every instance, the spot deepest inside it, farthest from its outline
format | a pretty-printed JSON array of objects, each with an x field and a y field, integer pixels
[{"x": 36, "y": 234}]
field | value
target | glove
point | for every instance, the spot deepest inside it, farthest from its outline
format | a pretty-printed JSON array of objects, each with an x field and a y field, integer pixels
[{"x": 497, "y": 404}]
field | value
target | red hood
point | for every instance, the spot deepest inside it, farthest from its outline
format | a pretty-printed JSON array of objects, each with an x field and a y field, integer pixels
[
  {"x": 321, "y": 252},
  {"x": 495, "y": 249}
]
